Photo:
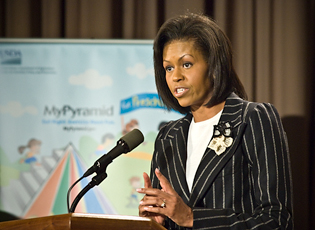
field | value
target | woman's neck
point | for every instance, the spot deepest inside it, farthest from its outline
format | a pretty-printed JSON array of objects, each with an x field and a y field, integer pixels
[{"x": 204, "y": 113}]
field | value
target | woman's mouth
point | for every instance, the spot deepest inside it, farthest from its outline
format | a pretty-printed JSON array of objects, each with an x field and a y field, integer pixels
[{"x": 180, "y": 91}]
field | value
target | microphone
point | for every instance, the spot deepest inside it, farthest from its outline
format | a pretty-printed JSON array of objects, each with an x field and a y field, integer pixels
[{"x": 124, "y": 145}]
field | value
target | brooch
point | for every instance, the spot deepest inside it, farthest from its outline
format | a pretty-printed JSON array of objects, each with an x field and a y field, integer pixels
[{"x": 221, "y": 138}]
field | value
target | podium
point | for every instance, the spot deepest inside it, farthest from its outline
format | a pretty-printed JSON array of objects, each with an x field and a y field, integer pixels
[{"x": 80, "y": 221}]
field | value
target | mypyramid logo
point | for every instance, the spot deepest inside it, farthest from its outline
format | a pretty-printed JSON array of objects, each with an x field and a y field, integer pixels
[{"x": 10, "y": 57}]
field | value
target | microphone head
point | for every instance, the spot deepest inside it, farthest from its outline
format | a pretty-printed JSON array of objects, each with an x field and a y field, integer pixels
[{"x": 133, "y": 138}]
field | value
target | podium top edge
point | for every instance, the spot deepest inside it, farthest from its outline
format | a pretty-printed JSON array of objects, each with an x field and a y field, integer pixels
[{"x": 110, "y": 216}]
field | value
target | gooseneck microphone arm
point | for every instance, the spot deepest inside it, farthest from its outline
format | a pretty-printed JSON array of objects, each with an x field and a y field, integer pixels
[
  {"x": 124, "y": 145},
  {"x": 96, "y": 180}
]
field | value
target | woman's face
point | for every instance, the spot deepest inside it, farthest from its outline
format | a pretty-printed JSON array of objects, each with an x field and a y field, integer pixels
[{"x": 187, "y": 74}]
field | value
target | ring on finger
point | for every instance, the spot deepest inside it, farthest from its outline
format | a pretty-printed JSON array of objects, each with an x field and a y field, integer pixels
[{"x": 163, "y": 205}]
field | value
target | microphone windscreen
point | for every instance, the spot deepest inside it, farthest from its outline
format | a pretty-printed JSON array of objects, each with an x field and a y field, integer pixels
[{"x": 133, "y": 138}]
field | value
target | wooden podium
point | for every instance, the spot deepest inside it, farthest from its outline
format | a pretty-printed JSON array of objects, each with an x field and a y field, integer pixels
[{"x": 79, "y": 221}]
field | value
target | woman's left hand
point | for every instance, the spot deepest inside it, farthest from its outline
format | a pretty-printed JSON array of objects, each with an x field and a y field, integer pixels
[{"x": 166, "y": 202}]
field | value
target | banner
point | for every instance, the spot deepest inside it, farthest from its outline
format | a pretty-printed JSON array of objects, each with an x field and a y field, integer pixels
[{"x": 64, "y": 104}]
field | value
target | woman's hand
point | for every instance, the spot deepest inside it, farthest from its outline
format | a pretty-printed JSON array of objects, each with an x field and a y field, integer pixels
[
  {"x": 142, "y": 212},
  {"x": 164, "y": 202}
]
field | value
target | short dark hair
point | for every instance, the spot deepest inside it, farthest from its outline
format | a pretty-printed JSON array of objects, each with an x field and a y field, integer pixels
[{"x": 215, "y": 48}]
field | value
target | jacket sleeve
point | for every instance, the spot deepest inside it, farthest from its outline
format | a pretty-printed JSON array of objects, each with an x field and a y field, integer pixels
[
  {"x": 264, "y": 144},
  {"x": 154, "y": 162}
]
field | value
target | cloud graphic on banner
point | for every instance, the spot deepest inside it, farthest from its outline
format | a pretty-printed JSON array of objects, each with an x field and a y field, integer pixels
[
  {"x": 15, "y": 109},
  {"x": 140, "y": 71},
  {"x": 91, "y": 79}
]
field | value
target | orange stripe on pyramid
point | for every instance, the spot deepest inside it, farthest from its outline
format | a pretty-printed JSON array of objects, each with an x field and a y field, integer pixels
[{"x": 42, "y": 206}]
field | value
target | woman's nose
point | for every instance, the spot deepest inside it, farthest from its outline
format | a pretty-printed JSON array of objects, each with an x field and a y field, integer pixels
[{"x": 177, "y": 75}]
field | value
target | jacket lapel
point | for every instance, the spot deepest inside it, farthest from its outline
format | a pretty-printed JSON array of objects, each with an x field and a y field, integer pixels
[
  {"x": 211, "y": 163},
  {"x": 175, "y": 147}
]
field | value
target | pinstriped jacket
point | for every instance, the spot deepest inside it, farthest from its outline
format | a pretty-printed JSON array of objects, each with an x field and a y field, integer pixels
[{"x": 246, "y": 187}]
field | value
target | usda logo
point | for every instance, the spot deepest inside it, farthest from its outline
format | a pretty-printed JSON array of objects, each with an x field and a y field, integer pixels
[{"x": 10, "y": 57}]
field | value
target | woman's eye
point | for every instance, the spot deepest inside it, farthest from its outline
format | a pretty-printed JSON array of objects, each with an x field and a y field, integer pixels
[
  {"x": 168, "y": 68},
  {"x": 187, "y": 65}
]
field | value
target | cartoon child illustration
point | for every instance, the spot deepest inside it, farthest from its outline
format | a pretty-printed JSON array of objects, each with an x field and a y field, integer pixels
[
  {"x": 135, "y": 183},
  {"x": 107, "y": 142},
  {"x": 34, "y": 148},
  {"x": 132, "y": 124}
]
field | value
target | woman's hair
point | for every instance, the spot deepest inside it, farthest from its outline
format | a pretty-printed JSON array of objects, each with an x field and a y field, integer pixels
[{"x": 216, "y": 49}]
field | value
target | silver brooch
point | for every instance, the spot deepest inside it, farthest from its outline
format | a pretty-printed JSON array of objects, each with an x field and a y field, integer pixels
[{"x": 221, "y": 138}]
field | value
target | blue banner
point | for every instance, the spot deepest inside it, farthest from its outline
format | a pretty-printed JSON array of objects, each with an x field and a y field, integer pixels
[{"x": 140, "y": 101}]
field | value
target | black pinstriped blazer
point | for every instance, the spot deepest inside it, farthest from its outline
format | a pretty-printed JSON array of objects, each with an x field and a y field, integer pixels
[{"x": 246, "y": 187}]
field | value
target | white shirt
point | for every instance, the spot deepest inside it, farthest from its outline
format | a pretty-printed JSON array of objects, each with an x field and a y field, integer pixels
[{"x": 199, "y": 136}]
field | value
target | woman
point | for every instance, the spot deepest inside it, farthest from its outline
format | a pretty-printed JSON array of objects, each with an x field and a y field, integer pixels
[{"x": 225, "y": 165}]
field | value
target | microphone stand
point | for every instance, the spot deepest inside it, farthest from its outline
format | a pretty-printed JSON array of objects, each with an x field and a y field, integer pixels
[{"x": 96, "y": 180}]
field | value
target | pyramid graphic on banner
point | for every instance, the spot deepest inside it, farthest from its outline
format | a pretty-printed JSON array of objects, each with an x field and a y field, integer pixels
[{"x": 43, "y": 190}]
